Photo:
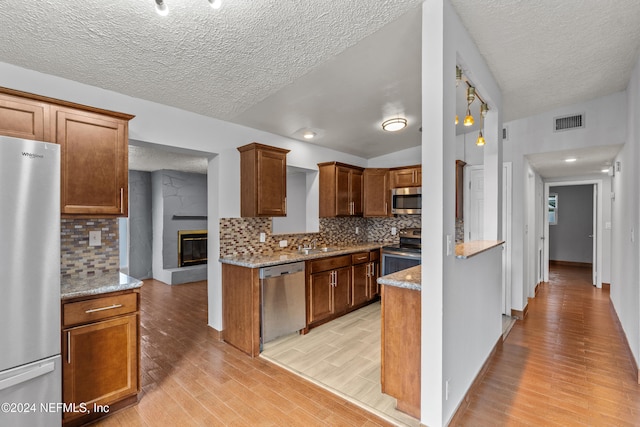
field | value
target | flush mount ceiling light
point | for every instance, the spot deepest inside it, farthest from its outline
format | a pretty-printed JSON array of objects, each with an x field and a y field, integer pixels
[
  {"x": 308, "y": 134},
  {"x": 215, "y": 4},
  {"x": 163, "y": 10},
  {"x": 395, "y": 124},
  {"x": 570, "y": 160}
]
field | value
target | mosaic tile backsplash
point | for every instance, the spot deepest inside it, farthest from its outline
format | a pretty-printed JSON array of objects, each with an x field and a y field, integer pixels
[
  {"x": 241, "y": 236},
  {"x": 77, "y": 258}
]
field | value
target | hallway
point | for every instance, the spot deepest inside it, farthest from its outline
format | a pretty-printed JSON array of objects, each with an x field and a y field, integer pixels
[{"x": 566, "y": 364}]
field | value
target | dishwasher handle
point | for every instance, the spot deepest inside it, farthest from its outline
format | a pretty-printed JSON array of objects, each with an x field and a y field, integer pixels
[{"x": 281, "y": 269}]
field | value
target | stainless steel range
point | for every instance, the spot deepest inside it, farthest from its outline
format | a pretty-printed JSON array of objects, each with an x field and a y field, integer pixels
[{"x": 404, "y": 255}]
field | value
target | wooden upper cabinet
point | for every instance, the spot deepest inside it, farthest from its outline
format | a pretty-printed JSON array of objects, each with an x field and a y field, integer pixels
[
  {"x": 263, "y": 180},
  {"x": 24, "y": 118},
  {"x": 406, "y": 177},
  {"x": 94, "y": 154},
  {"x": 341, "y": 189},
  {"x": 94, "y": 148},
  {"x": 376, "y": 192}
]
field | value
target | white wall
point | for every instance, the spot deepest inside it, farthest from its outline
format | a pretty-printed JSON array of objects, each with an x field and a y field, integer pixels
[
  {"x": 406, "y": 157},
  {"x": 625, "y": 274},
  {"x": 605, "y": 124},
  {"x": 447, "y": 310}
]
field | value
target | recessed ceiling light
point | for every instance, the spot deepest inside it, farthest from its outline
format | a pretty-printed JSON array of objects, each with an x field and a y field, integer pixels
[
  {"x": 161, "y": 8},
  {"x": 395, "y": 124},
  {"x": 308, "y": 134},
  {"x": 605, "y": 170},
  {"x": 570, "y": 159},
  {"x": 215, "y": 4}
]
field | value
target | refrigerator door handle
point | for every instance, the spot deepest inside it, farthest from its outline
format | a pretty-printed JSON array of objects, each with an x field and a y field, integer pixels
[{"x": 26, "y": 376}]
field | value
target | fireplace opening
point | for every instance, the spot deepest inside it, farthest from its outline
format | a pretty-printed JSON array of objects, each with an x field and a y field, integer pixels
[{"x": 192, "y": 247}]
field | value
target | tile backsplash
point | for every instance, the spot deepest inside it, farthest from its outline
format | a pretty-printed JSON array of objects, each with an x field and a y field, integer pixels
[
  {"x": 77, "y": 258},
  {"x": 241, "y": 236}
]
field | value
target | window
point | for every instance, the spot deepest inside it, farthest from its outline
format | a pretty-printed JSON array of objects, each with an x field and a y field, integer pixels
[{"x": 553, "y": 208}]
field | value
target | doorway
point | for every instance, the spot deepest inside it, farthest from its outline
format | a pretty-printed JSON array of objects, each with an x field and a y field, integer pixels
[{"x": 572, "y": 226}]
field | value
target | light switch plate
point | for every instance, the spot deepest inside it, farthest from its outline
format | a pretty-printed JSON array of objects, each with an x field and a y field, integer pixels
[
  {"x": 263, "y": 237},
  {"x": 95, "y": 238},
  {"x": 283, "y": 243}
]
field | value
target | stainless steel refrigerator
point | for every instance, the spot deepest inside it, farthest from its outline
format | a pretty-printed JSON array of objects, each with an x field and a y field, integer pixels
[{"x": 30, "y": 369}]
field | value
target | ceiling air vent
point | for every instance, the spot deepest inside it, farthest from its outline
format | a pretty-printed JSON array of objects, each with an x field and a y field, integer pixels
[
  {"x": 505, "y": 134},
  {"x": 574, "y": 121}
]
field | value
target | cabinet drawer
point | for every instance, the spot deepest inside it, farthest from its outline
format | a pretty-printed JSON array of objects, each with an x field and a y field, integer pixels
[
  {"x": 328, "y": 263},
  {"x": 374, "y": 255},
  {"x": 99, "y": 308},
  {"x": 360, "y": 257}
]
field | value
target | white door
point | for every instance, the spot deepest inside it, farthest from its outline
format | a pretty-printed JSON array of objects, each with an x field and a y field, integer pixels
[
  {"x": 594, "y": 237},
  {"x": 474, "y": 215},
  {"x": 506, "y": 236}
]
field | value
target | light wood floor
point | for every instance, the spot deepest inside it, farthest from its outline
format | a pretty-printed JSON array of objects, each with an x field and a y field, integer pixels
[
  {"x": 566, "y": 364},
  {"x": 191, "y": 379},
  {"x": 344, "y": 356}
]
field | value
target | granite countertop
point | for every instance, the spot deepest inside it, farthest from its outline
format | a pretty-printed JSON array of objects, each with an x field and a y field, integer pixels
[
  {"x": 287, "y": 256},
  {"x": 411, "y": 278},
  {"x": 72, "y": 287},
  {"x": 468, "y": 249}
]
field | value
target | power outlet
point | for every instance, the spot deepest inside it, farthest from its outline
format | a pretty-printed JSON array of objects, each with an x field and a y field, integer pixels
[
  {"x": 357, "y": 230},
  {"x": 263, "y": 237},
  {"x": 283, "y": 243},
  {"x": 95, "y": 238},
  {"x": 394, "y": 231}
]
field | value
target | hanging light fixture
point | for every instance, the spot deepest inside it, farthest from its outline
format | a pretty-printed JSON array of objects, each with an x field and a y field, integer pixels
[
  {"x": 484, "y": 108},
  {"x": 395, "y": 124},
  {"x": 457, "y": 119},
  {"x": 471, "y": 96}
]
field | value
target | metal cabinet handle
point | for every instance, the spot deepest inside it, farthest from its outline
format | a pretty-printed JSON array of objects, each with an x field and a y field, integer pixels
[
  {"x": 385, "y": 208},
  {"x": 68, "y": 347},
  {"x": 111, "y": 307},
  {"x": 122, "y": 200}
]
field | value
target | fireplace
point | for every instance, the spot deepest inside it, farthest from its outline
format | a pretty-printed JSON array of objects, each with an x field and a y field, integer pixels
[{"x": 192, "y": 247}]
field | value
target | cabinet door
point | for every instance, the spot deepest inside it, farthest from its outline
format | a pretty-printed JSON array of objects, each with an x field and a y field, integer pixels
[
  {"x": 24, "y": 118},
  {"x": 343, "y": 193},
  {"x": 376, "y": 192},
  {"x": 373, "y": 288},
  {"x": 100, "y": 362},
  {"x": 341, "y": 290},
  {"x": 359, "y": 283},
  {"x": 320, "y": 296},
  {"x": 356, "y": 192},
  {"x": 272, "y": 183},
  {"x": 409, "y": 177},
  {"x": 94, "y": 171}
]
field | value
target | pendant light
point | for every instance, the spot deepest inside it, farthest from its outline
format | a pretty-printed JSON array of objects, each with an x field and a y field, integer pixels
[
  {"x": 471, "y": 96},
  {"x": 484, "y": 108}
]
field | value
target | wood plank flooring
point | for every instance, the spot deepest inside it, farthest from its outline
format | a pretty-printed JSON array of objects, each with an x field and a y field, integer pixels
[
  {"x": 191, "y": 379},
  {"x": 566, "y": 364}
]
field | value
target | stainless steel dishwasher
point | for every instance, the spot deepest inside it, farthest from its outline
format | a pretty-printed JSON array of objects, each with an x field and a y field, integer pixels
[{"x": 283, "y": 301}]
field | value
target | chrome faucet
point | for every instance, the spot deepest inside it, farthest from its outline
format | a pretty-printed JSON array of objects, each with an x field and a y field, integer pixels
[{"x": 314, "y": 243}]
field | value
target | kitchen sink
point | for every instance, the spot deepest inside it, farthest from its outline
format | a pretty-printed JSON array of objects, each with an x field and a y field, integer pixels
[{"x": 307, "y": 251}]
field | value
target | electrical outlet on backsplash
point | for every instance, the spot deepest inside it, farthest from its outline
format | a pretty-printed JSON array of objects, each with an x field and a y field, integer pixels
[{"x": 241, "y": 236}]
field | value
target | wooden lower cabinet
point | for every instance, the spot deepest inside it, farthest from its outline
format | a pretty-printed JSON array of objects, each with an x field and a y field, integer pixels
[
  {"x": 101, "y": 358},
  {"x": 401, "y": 336},
  {"x": 328, "y": 294},
  {"x": 241, "y": 308},
  {"x": 364, "y": 277}
]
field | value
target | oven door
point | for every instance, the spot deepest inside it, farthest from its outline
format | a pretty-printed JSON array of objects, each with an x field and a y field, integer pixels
[{"x": 393, "y": 261}]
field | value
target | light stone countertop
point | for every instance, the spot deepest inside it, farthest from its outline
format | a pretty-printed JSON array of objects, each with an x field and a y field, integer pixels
[
  {"x": 287, "y": 256},
  {"x": 73, "y": 287},
  {"x": 468, "y": 249},
  {"x": 411, "y": 278}
]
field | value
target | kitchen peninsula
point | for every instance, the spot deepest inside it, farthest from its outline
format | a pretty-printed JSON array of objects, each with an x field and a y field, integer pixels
[{"x": 401, "y": 329}]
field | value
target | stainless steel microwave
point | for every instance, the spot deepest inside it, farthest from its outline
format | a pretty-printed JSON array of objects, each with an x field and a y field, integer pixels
[{"x": 406, "y": 201}]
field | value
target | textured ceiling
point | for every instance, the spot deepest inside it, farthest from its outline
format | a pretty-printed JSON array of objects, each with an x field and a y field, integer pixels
[{"x": 282, "y": 66}]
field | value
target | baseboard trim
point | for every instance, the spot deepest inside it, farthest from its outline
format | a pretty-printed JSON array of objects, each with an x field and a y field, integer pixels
[
  {"x": 634, "y": 364},
  {"x": 571, "y": 263},
  {"x": 464, "y": 403},
  {"x": 217, "y": 335},
  {"x": 606, "y": 285},
  {"x": 520, "y": 315}
]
